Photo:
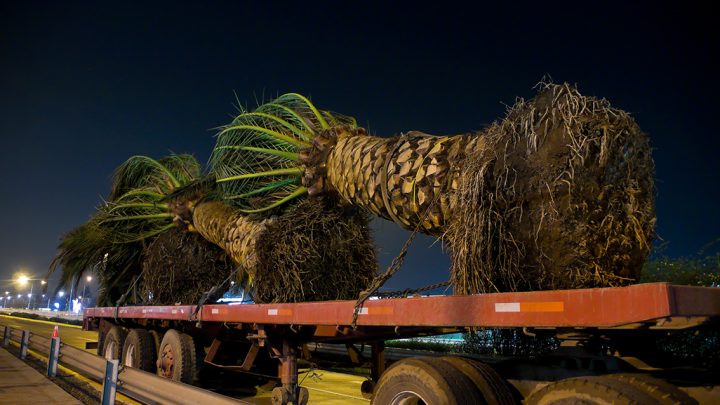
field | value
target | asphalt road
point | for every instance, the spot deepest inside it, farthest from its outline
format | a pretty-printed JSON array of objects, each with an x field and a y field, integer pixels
[
  {"x": 70, "y": 334},
  {"x": 325, "y": 387}
]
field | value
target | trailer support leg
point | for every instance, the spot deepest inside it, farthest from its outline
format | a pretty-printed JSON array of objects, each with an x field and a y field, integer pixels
[
  {"x": 290, "y": 392},
  {"x": 378, "y": 359},
  {"x": 377, "y": 367},
  {"x": 288, "y": 370}
]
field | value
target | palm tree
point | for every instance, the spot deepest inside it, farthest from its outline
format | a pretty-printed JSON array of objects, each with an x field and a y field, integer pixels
[
  {"x": 557, "y": 194},
  {"x": 150, "y": 198}
]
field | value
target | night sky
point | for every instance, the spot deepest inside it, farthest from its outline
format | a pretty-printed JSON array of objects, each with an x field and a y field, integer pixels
[{"x": 83, "y": 86}]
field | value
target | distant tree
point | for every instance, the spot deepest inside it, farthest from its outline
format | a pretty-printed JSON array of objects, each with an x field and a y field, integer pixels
[
  {"x": 697, "y": 347},
  {"x": 702, "y": 269}
]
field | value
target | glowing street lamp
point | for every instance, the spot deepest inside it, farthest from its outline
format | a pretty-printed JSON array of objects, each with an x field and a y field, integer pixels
[
  {"x": 87, "y": 280},
  {"x": 22, "y": 280}
]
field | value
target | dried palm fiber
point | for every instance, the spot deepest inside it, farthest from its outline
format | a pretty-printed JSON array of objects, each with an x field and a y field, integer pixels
[
  {"x": 179, "y": 266},
  {"x": 315, "y": 251},
  {"x": 408, "y": 179}
]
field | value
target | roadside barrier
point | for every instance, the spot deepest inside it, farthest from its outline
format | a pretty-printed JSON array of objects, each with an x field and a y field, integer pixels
[{"x": 140, "y": 385}]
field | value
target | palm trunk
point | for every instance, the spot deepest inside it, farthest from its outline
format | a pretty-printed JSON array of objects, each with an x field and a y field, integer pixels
[
  {"x": 316, "y": 251},
  {"x": 234, "y": 232},
  {"x": 409, "y": 179}
]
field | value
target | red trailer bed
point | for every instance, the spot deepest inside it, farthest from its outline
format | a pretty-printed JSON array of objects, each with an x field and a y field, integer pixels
[
  {"x": 655, "y": 305},
  {"x": 586, "y": 323}
]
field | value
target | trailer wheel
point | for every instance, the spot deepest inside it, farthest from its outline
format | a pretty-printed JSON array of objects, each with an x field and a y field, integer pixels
[
  {"x": 157, "y": 338},
  {"x": 139, "y": 350},
  {"x": 588, "y": 391},
  {"x": 492, "y": 387},
  {"x": 176, "y": 357},
  {"x": 113, "y": 343},
  {"x": 424, "y": 380},
  {"x": 663, "y": 392},
  {"x": 303, "y": 396}
]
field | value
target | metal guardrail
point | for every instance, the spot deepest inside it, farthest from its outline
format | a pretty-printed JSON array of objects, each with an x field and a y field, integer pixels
[{"x": 140, "y": 385}]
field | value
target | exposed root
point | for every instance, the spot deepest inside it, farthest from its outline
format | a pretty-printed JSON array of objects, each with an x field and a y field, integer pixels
[
  {"x": 179, "y": 266},
  {"x": 315, "y": 251},
  {"x": 562, "y": 198}
]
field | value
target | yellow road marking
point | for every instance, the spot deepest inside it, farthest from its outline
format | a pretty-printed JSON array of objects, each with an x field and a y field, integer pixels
[
  {"x": 336, "y": 393},
  {"x": 42, "y": 321}
]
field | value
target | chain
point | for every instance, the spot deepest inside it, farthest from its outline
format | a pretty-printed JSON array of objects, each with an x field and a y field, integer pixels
[
  {"x": 410, "y": 291},
  {"x": 393, "y": 268}
]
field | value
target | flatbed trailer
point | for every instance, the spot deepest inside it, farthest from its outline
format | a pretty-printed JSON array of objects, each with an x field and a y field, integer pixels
[{"x": 604, "y": 350}]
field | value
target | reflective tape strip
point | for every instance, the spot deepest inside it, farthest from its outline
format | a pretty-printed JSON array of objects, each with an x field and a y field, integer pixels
[
  {"x": 507, "y": 307},
  {"x": 376, "y": 311},
  {"x": 553, "y": 306},
  {"x": 281, "y": 312}
]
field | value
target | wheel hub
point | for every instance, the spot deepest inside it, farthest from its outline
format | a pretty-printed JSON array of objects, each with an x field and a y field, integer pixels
[{"x": 166, "y": 362}]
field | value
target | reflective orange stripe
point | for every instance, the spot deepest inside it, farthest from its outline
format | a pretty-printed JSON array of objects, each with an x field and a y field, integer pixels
[{"x": 556, "y": 306}]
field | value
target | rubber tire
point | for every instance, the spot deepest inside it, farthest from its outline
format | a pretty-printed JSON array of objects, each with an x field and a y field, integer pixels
[
  {"x": 663, "y": 392},
  {"x": 587, "y": 391},
  {"x": 432, "y": 379},
  {"x": 494, "y": 389},
  {"x": 141, "y": 342},
  {"x": 183, "y": 350},
  {"x": 303, "y": 396},
  {"x": 157, "y": 338},
  {"x": 113, "y": 341}
]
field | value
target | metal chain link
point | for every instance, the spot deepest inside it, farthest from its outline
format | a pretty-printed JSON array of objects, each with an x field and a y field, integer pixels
[{"x": 410, "y": 291}]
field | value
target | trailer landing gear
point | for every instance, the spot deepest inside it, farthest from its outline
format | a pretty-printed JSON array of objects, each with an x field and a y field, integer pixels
[{"x": 290, "y": 392}]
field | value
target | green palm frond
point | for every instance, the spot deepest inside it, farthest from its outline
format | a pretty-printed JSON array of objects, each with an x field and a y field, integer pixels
[
  {"x": 136, "y": 210},
  {"x": 140, "y": 212},
  {"x": 159, "y": 176},
  {"x": 255, "y": 160},
  {"x": 83, "y": 249}
]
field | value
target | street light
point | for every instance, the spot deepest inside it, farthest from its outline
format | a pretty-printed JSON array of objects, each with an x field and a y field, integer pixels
[
  {"x": 23, "y": 280},
  {"x": 87, "y": 280}
]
